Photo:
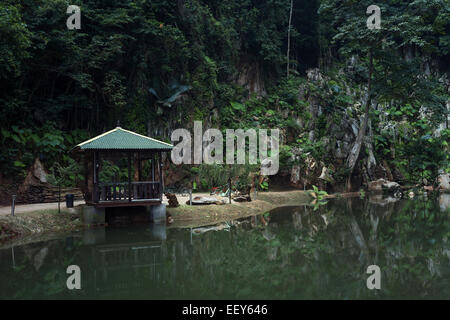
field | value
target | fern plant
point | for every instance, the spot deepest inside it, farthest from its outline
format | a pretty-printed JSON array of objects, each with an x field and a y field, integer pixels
[{"x": 318, "y": 194}]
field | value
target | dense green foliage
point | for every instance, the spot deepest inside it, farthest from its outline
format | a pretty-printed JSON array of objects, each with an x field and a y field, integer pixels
[{"x": 158, "y": 65}]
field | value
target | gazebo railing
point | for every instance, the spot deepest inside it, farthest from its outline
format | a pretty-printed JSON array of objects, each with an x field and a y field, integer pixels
[{"x": 140, "y": 191}]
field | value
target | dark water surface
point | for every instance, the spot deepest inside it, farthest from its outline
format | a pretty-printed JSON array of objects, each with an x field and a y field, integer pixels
[{"x": 289, "y": 253}]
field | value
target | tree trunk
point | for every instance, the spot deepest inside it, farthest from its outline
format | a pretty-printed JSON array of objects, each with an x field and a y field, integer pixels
[
  {"x": 354, "y": 153},
  {"x": 289, "y": 37}
]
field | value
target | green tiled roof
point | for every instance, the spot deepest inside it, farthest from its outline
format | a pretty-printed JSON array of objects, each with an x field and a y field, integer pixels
[{"x": 121, "y": 139}]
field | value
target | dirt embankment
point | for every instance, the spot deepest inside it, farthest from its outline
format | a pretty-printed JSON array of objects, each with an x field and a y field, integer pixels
[
  {"x": 195, "y": 216},
  {"x": 25, "y": 224}
]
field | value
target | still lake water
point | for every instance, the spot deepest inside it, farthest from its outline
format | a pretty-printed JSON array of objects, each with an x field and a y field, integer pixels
[{"x": 289, "y": 253}]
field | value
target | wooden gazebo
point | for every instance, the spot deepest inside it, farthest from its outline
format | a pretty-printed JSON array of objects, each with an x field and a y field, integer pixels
[{"x": 120, "y": 143}]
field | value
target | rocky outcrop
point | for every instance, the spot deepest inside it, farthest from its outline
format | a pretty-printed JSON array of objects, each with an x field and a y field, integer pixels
[
  {"x": 326, "y": 175},
  {"x": 444, "y": 182},
  {"x": 342, "y": 129},
  {"x": 382, "y": 185},
  {"x": 36, "y": 176},
  {"x": 176, "y": 175},
  {"x": 250, "y": 77},
  {"x": 36, "y": 189},
  {"x": 296, "y": 169},
  {"x": 307, "y": 174},
  {"x": 444, "y": 202},
  {"x": 295, "y": 175}
]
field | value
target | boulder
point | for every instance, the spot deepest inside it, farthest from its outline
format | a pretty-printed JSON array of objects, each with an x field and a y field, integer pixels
[
  {"x": 203, "y": 201},
  {"x": 382, "y": 185},
  {"x": 390, "y": 186}
]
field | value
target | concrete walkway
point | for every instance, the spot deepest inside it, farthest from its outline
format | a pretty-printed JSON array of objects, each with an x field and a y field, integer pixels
[{"x": 23, "y": 208}]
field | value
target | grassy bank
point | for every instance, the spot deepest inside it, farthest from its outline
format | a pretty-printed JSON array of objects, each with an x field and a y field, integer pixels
[
  {"x": 37, "y": 223},
  {"x": 195, "y": 216}
]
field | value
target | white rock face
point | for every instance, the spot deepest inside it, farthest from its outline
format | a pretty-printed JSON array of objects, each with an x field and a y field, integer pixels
[
  {"x": 295, "y": 174},
  {"x": 36, "y": 176},
  {"x": 39, "y": 171},
  {"x": 444, "y": 181},
  {"x": 444, "y": 202},
  {"x": 314, "y": 75},
  {"x": 326, "y": 175},
  {"x": 250, "y": 77}
]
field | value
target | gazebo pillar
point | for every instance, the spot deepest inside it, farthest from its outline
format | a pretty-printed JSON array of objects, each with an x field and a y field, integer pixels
[
  {"x": 129, "y": 176},
  {"x": 153, "y": 167},
  {"x": 161, "y": 180},
  {"x": 96, "y": 175},
  {"x": 139, "y": 167},
  {"x": 86, "y": 174}
]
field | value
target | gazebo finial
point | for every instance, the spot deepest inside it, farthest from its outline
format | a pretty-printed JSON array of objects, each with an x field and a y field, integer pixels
[{"x": 118, "y": 123}]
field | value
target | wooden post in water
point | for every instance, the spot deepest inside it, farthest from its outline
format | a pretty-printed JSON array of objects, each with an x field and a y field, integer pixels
[
  {"x": 59, "y": 197},
  {"x": 13, "y": 257}
]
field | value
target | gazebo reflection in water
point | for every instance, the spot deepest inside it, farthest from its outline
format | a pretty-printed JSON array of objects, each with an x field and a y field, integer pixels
[{"x": 117, "y": 264}]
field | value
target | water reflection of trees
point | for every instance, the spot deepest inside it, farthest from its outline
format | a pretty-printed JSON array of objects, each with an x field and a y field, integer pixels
[
  {"x": 294, "y": 253},
  {"x": 37, "y": 270},
  {"x": 303, "y": 253}
]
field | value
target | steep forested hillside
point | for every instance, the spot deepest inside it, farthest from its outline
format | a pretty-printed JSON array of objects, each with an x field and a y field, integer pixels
[{"x": 159, "y": 65}]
